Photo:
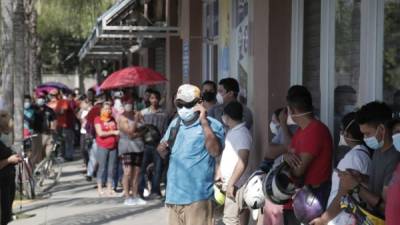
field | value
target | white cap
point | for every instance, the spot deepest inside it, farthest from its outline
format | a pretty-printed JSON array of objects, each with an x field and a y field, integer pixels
[{"x": 187, "y": 93}]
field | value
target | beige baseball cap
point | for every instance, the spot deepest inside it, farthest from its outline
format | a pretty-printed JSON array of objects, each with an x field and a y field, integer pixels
[{"x": 188, "y": 93}]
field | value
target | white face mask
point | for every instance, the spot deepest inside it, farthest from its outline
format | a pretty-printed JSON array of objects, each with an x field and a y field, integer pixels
[
  {"x": 290, "y": 120},
  {"x": 220, "y": 98},
  {"x": 40, "y": 101},
  {"x": 224, "y": 120},
  {"x": 186, "y": 114},
  {"x": 27, "y": 105},
  {"x": 274, "y": 128},
  {"x": 342, "y": 141},
  {"x": 128, "y": 107}
]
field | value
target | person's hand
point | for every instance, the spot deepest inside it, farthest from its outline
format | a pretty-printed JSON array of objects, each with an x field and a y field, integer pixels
[
  {"x": 203, "y": 112},
  {"x": 318, "y": 221},
  {"x": 162, "y": 148},
  {"x": 283, "y": 116},
  {"x": 116, "y": 132},
  {"x": 14, "y": 159},
  {"x": 347, "y": 181},
  {"x": 292, "y": 160},
  {"x": 230, "y": 192},
  {"x": 138, "y": 117}
]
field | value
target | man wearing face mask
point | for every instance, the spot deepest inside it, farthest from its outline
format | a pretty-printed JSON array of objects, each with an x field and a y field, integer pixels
[
  {"x": 310, "y": 153},
  {"x": 193, "y": 140},
  {"x": 47, "y": 126},
  {"x": 373, "y": 119},
  {"x": 209, "y": 94},
  {"x": 32, "y": 123},
  {"x": 228, "y": 90}
]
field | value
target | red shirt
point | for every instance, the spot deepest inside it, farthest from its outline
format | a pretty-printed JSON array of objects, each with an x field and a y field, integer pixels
[
  {"x": 109, "y": 142},
  {"x": 392, "y": 214},
  {"x": 315, "y": 140}
]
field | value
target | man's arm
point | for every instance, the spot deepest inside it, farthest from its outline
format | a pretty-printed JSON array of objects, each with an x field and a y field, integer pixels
[
  {"x": 13, "y": 159},
  {"x": 298, "y": 163},
  {"x": 287, "y": 134},
  {"x": 275, "y": 150},
  {"x": 238, "y": 171},
  {"x": 213, "y": 145}
]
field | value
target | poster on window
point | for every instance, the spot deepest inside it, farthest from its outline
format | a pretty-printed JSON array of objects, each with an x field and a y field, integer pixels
[
  {"x": 241, "y": 32},
  {"x": 224, "y": 34}
]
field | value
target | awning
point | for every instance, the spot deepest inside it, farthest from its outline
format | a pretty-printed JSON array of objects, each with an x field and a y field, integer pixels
[{"x": 119, "y": 29}]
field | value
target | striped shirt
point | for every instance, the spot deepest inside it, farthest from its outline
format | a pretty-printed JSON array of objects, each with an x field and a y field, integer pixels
[{"x": 158, "y": 119}]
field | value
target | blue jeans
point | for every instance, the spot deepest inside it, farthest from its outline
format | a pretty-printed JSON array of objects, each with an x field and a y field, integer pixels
[
  {"x": 107, "y": 160},
  {"x": 92, "y": 159},
  {"x": 151, "y": 155}
]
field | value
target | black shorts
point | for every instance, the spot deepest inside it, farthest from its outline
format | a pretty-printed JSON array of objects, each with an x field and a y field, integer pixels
[{"x": 132, "y": 159}]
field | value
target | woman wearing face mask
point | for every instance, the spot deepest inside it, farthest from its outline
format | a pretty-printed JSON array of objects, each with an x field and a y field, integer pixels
[
  {"x": 8, "y": 160},
  {"x": 106, "y": 139},
  {"x": 357, "y": 159},
  {"x": 131, "y": 148}
]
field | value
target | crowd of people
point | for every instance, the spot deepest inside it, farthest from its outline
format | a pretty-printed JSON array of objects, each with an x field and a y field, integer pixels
[{"x": 204, "y": 147}]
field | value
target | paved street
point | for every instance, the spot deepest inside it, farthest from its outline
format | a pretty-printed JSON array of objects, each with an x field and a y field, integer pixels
[{"x": 74, "y": 201}]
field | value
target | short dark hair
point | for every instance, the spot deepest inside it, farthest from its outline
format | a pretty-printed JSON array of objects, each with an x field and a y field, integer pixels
[
  {"x": 230, "y": 84},
  {"x": 210, "y": 82},
  {"x": 155, "y": 93},
  {"x": 299, "y": 98},
  {"x": 277, "y": 112},
  {"x": 374, "y": 113},
  {"x": 351, "y": 126},
  {"x": 27, "y": 97},
  {"x": 234, "y": 110},
  {"x": 148, "y": 90}
]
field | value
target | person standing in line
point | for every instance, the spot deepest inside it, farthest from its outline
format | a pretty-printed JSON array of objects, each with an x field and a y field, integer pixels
[
  {"x": 194, "y": 141},
  {"x": 131, "y": 148},
  {"x": 228, "y": 91},
  {"x": 310, "y": 153},
  {"x": 209, "y": 94},
  {"x": 107, "y": 140},
  {"x": 153, "y": 115},
  {"x": 234, "y": 161},
  {"x": 373, "y": 119}
]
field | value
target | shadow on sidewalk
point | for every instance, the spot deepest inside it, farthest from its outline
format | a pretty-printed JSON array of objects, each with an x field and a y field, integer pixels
[{"x": 103, "y": 216}]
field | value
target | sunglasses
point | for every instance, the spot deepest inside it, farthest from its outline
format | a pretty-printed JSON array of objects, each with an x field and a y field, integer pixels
[{"x": 181, "y": 104}]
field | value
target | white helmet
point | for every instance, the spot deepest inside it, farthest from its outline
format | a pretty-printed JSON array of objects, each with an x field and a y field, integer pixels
[{"x": 253, "y": 193}]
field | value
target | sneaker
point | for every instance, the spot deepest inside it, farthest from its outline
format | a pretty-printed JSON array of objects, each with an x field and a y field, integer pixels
[
  {"x": 130, "y": 202},
  {"x": 140, "y": 201},
  {"x": 154, "y": 196},
  {"x": 146, "y": 192}
]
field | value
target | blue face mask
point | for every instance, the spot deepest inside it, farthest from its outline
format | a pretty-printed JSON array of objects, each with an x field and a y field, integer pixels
[
  {"x": 396, "y": 141},
  {"x": 186, "y": 114},
  {"x": 373, "y": 143}
]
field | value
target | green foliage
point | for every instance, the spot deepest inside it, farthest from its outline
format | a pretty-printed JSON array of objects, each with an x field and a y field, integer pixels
[
  {"x": 63, "y": 26},
  {"x": 392, "y": 46}
]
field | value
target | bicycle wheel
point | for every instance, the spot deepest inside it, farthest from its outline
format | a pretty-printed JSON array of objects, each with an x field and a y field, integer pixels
[
  {"x": 47, "y": 173},
  {"x": 28, "y": 183}
]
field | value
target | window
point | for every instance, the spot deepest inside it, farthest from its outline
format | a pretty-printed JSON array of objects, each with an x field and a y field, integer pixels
[
  {"x": 210, "y": 37},
  {"x": 311, "y": 50},
  {"x": 391, "y": 54},
  {"x": 347, "y": 62}
]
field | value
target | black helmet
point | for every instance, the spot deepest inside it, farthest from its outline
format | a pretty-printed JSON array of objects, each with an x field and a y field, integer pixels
[{"x": 278, "y": 186}]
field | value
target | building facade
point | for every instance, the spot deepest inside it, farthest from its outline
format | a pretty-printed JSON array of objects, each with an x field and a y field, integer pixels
[{"x": 347, "y": 52}]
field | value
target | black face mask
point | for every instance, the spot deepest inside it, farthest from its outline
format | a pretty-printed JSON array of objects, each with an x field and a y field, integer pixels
[{"x": 209, "y": 96}]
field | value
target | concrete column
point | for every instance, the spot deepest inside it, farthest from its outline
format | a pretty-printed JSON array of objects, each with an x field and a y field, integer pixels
[
  {"x": 259, "y": 37},
  {"x": 191, "y": 27},
  {"x": 173, "y": 54}
]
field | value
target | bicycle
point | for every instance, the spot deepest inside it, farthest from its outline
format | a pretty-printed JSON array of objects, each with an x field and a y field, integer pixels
[
  {"x": 25, "y": 180},
  {"x": 48, "y": 172}
]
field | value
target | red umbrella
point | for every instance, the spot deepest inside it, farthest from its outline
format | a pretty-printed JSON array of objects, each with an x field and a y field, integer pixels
[{"x": 132, "y": 76}]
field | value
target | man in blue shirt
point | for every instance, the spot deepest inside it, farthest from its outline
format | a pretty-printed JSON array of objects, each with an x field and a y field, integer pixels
[{"x": 197, "y": 142}]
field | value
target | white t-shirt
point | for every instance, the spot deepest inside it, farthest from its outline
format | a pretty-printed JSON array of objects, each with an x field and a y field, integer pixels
[
  {"x": 84, "y": 113},
  {"x": 237, "y": 138},
  {"x": 357, "y": 159}
]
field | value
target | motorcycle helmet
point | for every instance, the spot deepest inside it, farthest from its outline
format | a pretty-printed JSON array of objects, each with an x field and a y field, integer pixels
[
  {"x": 219, "y": 196},
  {"x": 278, "y": 186},
  {"x": 253, "y": 194},
  {"x": 306, "y": 205}
]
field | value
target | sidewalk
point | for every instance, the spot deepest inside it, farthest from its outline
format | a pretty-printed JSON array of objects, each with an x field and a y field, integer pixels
[{"x": 75, "y": 201}]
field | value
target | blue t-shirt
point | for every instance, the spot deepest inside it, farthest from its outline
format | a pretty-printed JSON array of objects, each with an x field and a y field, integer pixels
[{"x": 191, "y": 168}]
